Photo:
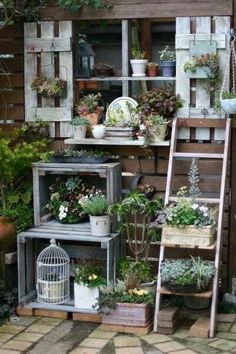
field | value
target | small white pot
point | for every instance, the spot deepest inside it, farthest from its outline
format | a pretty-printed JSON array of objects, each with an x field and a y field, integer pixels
[
  {"x": 100, "y": 225},
  {"x": 228, "y": 105},
  {"x": 80, "y": 131},
  {"x": 98, "y": 131},
  {"x": 160, "y": 136},
  {"x": 85, "y": 297},
  {"x": 138, "y": 66}
]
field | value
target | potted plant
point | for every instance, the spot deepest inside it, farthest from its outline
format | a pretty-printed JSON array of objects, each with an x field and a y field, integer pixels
[
  {"x": 97, "y": 209},
  {"x": 192, "y": 275},
  {"x": 88, "y": 279},
  {"x": 152, "y": 69},
  {"x": 188, "y": 222},
  {"x": 152, "y": 128},
  {"x": 103, "y": 70},
  {"x": 228, "y": 102},
  {"x": 159, "y": 101},
  {"x": 89, "y": 107},
  {"x": 80, "y": 127},
  {"x": 167, "y": 59},
  {"x": 49, "y": 87},
  {"x": 67, "y": 197},
  {"x": 120, "y": 305},
  {"x": 203, "y": 66},
  {"x": 135, "y": 213},
  {"x": 138, "y": 62},
  {"x": 79, "y": 156}
]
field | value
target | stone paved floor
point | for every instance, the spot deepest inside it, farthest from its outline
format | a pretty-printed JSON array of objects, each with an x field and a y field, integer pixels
[{"x": 35, "y": 335}]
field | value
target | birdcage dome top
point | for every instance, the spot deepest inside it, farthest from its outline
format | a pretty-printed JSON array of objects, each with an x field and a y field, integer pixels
[{"x": 53, "y": 254}]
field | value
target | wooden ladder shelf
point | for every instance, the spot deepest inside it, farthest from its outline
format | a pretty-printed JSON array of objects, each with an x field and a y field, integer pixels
[{"x": 190, "y": 123}]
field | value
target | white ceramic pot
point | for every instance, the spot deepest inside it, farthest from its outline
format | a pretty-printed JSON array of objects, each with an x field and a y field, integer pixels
[
  {"x": 98, "y": 131},
  {"x": 85, "y": 298},
  {"x": 100, "y": 225},
  {"x": 158, "y": 138},
  {"x": 139, "y": 66},
  {"x": 228, "y": 105},
  {"x": 80, "y": 131}
]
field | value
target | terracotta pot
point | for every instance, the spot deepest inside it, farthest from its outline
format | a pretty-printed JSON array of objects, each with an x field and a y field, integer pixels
[
  {"x": 7, "y": 234},
  {"x": 93, "y": 118},
  {"x": 152, "y": 72}
]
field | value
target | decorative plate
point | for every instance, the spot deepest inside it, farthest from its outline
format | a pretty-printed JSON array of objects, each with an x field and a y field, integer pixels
[{"x": 121, "y": 112}]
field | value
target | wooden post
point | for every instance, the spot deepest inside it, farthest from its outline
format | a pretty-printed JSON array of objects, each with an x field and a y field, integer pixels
[{"x": 125, "y": 56}]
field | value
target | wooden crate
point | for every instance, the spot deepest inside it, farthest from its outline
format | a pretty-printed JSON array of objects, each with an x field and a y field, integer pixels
[{"x": 106, "y": 176}]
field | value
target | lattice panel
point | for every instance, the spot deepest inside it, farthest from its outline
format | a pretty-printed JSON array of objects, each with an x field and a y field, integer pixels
[
  {"x": 196, "y": 101},
  {"x": 52, "y": 56}
]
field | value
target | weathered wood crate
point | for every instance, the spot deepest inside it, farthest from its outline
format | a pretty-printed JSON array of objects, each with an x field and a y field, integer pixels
[
  {"x": 106, "y": 176},
  {"x": 188, "y": 235},
  {"x": 50, "y": 55}
]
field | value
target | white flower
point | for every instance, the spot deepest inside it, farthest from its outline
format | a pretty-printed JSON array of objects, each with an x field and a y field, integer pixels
[
  {"x": 55, "y": 196},
  {"x": 83, "y": 200},
  {"x": 194, "y": 206},
  {"x": 203, "y": 209},
  {"x": 142, "y": 127},
  {"x": 205, "y": 215},
  {"x": 62, "y": 216}
]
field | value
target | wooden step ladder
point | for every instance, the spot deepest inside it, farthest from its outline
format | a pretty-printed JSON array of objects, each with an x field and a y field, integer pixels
[{"x": 190, "y": 123}]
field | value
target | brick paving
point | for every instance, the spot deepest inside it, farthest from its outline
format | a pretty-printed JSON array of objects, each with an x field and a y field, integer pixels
[{"x": 35, "y": 335}]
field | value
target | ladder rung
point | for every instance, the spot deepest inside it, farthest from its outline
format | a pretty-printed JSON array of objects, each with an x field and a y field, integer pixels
[
  {"x": 201, "y": 200},
  {"x": 198, "y": 155}
]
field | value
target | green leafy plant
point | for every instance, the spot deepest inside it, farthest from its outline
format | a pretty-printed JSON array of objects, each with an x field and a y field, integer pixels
[
  {"x": 77, "y": 120},
  {"x": 133, "y": 273},
  {"x": 75, "y": 5},
  {"x": 228, "y": 95},
  {"x": 152, "y": 65},
  {"x": 67, "y": 198},
  {"x": 8, "y": 303},
  {"x": 167, "y": 55},
  {"x": 89, "y": 273},
  {"x": 90, "y": 153},
  {"x": 122, "y": 116},
  {"x": 96, "y": 206},
  {"x": 111, "y": 294},
  {"x": 163, "y": 102},
  {"x": 22, "y": 215},
  {"x": 48, "y": 86},
  {"x": 188, "y": 271},
  {"x": 151, "y": 126},
  {"x": 135, "y": 213},
  {"x": 138, "y": 54},
  {"x": 89, "y": 104}
]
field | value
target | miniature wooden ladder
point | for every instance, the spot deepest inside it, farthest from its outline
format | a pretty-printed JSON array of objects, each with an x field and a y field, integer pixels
[{"x": 218, "y": 201}]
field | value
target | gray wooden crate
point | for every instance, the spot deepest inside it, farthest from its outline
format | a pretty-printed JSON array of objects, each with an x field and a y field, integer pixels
[{"x": 106, "y": 176}]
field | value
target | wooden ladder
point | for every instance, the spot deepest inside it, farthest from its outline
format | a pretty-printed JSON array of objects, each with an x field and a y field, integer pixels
[{"x": 190, "y": 123}]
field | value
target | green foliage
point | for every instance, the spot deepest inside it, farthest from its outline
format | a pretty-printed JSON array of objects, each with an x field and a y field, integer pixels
[
  {"x": 122, "y": 116},
  {"x": 89, "y": 104},
  {"x": 193, "y": 177},
  {"x": 187, "y": 271},
  {"x": 8, "y": 303},
  {"x": 138, "y": 54},
  {"x": 167, "y": 55},
  {"x": 96, "y": 206},
  {"x": 151, "y": 126},
  {"x": 89, "y": 273},
  {"x": 113, "y": 293},
  {"x": 91, "y": 153},
  {"x": 134, "y": 273},
  {"x": 228, "y": 95},
  {"x": 161, "y": 101},
  {"x": 48, "y": 86},
  {"x": 77, "y": 120},
  {"x": 23, "y": 216},
  {"x": 75, "y": 5}
]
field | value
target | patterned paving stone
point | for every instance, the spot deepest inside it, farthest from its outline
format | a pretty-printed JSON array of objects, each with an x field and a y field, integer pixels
[
  {"x": 94, "y": 343},
  {"x": 169, "y": 346},
  {"x": 126, "y": 341},
  {"x": 102, "y": 334},
  {"x": 155, "y": 338},
  {"x": 5, "y": 351},
  {"x": 17, "y": 345},
  {"x": 202, "y": 349},
  {"x": 22, "y": 321},
  {"x": 4, "y": 337},
  {"x": 49, "y": 321},
  {"x": 85, "y": 351},
  {"x": 181, "y": 333},
  {"x": 130, "y": 350},
  {"x": 29, "y": 337},
  {"x": 226, "y": 317},
  {"x": 186, "y": 351},
  {"x": 226, "y": 335},
  {"x": 11, "y": 329},
  {"x": 39, "y": 328},
  {"x": 233, "y": 329},
  {"x": 223, "y": 344}
]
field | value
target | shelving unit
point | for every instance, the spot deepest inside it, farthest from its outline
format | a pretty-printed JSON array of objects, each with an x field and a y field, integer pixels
[
  {"x": 128, "y": 78},
  {"x": 115, "y": 142}
]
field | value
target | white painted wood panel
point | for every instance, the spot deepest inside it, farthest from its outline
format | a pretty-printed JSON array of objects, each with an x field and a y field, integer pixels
[
  {"x": 182, "y": 41},
  {"x": 52, "y": 114},
  {"x": 36, "y": 45}
]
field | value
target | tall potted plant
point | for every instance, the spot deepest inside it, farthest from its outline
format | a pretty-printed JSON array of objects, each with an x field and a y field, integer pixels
[
  {"x": 167, "y": 59},
  {"x": 138, "y": 62},
  {"x": 90, "y": 108}
]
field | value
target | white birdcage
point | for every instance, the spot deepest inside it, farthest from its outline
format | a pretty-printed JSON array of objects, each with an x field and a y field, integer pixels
[{"x": 53, "y": 275}]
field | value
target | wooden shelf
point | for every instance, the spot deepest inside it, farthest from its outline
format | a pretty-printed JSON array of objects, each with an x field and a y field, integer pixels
[
  {"x": 206, "y": 294},
  {"x": 68, "y": 307},
  {"x": 115, "y": 142},
  {"x": 211, "y": 247},
  {"x": 127, "y": 78}
]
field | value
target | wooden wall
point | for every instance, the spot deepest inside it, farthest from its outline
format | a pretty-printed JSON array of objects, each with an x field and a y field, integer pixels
[{"x": 12, "y": 74}]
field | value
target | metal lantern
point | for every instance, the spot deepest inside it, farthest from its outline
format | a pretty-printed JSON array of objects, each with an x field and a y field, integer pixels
[
  {"x": 84, "y": 60},
  {"x": 53, "y": 275}
]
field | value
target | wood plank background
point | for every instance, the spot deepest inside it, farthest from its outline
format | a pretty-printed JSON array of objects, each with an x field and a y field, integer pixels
[{"x": 11, "y": 75}]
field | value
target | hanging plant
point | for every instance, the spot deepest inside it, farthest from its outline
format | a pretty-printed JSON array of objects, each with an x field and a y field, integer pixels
[{"x": 49, "y": 87}]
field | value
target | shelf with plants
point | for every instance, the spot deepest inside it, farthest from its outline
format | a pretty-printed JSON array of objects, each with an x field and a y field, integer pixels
[
  {"x": 115, "y": 142},
  {"x": 128, "y": 78},
  {"x": 205, "y": 294}
]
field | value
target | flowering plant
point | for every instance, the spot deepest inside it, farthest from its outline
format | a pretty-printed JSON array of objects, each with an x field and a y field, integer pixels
[
  {"x": 152, "y": 126},
  {"x": 89, "y": 273},
  {"x": 89, "y": 104},
  {"x": 49, "y": 86},
  {"x": 67, "y": 198}
]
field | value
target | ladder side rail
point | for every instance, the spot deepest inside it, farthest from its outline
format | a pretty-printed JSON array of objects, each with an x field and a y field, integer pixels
[
  {"x": 219, "y": 230},
  {"x": 173, "y": 144}
]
